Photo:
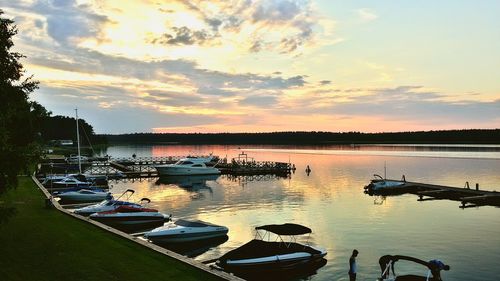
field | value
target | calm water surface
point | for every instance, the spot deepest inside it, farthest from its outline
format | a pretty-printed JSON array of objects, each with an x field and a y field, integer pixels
[{"x": 331, "y": 202}]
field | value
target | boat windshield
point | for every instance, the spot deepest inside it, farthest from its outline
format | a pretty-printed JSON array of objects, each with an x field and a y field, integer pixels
[
  {"x": 183, "y": 162},
  {"x": 191, "y": 223}
]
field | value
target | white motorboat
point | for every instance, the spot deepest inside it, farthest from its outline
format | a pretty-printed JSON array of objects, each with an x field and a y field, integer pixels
[
  {"x": 84, "y": 195},
  {"x": 187, "y": 166},
  {"x": 259, "y": 256},
  {"x": 69, "y": 182},
  {"x": 109, "y": 204},
  {"x": 131, "y": 218},
  {"x": 185, "y": 231},
  {"x": 380, "y": 184}
]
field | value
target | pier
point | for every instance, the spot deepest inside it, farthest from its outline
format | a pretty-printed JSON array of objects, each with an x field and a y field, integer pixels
[
  {"x": 143, "y": 167},
  {"x": 469, "y": 197}
]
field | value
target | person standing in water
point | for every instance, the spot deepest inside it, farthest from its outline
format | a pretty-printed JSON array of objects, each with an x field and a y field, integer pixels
[{"x": 352, "y": 265}]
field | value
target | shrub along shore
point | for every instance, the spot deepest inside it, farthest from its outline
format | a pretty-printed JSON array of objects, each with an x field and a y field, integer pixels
[{"x": 44, "y": 244}]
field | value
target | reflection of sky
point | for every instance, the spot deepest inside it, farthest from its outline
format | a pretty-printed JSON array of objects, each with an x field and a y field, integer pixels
[{"x": 330, "y": 201}]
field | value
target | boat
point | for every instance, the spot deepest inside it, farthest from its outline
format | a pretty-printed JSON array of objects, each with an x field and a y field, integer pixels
[
  {"x": 109, "y": 204},
  {"x": 380, "y": 184},
  {"x": 69, "y": 182},
  {"x": 83, "y": 195},
  {"x": 434, "y": 268},
  {"x": 187, "y": 166},
  {"x": 181, "y": 231},
  {"x": 261, "y": 256},
  {"x": 130, "y": 218}
]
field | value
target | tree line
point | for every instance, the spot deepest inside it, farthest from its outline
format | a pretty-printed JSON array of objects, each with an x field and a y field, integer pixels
[
  {"x": 24, "y": 124},
  {"x": 477, "y": 136}
]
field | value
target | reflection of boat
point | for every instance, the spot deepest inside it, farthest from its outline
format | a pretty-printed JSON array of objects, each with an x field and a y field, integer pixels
[
  {"x": 193, "y": 181},
  {"x": 131, "y": 218},
  {"x": 187, "y": 166},
  {"x": 185, "y": 231},
  {"x": 380, "y": 184},
  {"x": 387, "y": 269},
  {"x": 108, "y": 204},
  {"x": 196, "y": 248},
  {"x": 259, "y": 256},
  {"x": 84, "y": 195}
]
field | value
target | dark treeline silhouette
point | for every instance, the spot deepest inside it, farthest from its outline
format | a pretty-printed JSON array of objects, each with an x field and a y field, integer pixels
[
  {"x": 64, "y": 128},
  {"x": 487, "y": 136}
]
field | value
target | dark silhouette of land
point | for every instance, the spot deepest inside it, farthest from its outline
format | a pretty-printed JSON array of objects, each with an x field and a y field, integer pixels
[{"x": 476, "y": 136}]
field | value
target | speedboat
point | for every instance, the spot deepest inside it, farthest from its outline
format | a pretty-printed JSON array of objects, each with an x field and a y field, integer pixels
[
  {"x": 387, "y": 263},
  {"x": 185, "y": 231},
  {"x": 266, "y": 256},
  {"x": 131, "y": 218},
  {"x": 83, "y": 195},
  {"x": 109, "y": 204},
  {"x": 380, "y": 184},
  {"x": 187, "y": 166},
  {"x": 69, "y": 181}
]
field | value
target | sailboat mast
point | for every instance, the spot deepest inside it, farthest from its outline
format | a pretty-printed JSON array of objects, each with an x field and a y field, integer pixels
[{"x": 78, "y": 142}]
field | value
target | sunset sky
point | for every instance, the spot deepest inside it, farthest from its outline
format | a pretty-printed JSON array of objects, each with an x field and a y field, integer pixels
[{"x": 260, "y": 66}]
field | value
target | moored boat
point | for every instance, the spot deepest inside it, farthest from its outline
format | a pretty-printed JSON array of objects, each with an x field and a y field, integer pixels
[
  {"x": 387, "y": 262},
  {"x": 265, "y": 256},
  {"x": 380, "y": 184},
  {"x": 131, "y": 218},
  {"x": 181, "y": 231},
  {"x": 83, "y": 195},
  {"x": 109, "y": 204},
  {"x": 187, "y": 166}
]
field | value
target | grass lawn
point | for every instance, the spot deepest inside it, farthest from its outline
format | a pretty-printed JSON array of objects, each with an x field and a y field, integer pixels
[{"x": 43, "y": 244}]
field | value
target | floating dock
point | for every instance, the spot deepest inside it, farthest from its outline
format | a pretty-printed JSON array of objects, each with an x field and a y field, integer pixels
[
  {"x": 469, "y": 197},
  {"x": 143, "y": 167}
]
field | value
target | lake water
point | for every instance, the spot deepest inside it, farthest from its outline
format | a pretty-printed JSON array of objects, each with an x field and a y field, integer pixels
[{"x": 330, "y": 200}]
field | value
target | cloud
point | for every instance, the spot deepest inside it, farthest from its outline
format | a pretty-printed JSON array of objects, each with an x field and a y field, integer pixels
[
  {"x": 366, "y": 14},
  {"x": 281, "y": 26},
  {"x": 184, "y": 36},
  {"x": 67, "y": 20}
]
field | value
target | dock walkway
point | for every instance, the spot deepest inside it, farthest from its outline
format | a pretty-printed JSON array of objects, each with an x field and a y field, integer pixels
[{"x": 469, "y": 197}]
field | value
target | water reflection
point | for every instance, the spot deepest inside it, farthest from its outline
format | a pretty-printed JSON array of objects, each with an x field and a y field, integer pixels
[
  {"x": 331, "y": 201},
  {"x": 194, "y": 249}
]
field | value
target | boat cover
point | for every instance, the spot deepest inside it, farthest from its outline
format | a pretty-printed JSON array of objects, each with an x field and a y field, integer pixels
[
  {"x": 258, "y": 249},
  {"x": 285, "y": 229}
]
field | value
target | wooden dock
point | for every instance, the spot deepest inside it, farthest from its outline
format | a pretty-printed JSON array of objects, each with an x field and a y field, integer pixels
[
  {"x": 141, "y": 167},
  {"x": 469, "y": 197}
]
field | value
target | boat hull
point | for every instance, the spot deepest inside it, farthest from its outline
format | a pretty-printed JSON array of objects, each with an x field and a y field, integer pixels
[
  {"x": 186, "y": 237},
  {"x": 78, "y": 197}
]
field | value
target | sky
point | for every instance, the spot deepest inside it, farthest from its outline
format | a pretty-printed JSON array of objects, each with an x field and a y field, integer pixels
[{"x": 187, "y": 66}]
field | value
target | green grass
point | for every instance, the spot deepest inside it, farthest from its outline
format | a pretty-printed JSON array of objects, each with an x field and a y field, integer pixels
[{"x": 37, "y": 243}]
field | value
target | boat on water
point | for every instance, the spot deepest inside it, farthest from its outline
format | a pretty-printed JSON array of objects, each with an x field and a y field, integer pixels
[
  {"x": 380, "y": 184},
  {"x": 387, "y": 262},
  {"x": 109, "y": 204},
  {"x": 83, "y": 195},
  {"x": 69, "y": 182},
  {"x": 131, "y": 218},
  {"x": 181, "y": 231},
  {"x": 187, "y": 166},
  {"x": 261, "y": 256}
]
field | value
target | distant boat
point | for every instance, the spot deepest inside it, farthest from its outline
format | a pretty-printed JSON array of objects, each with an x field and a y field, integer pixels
[
  {"x": 260, "y": 256},
  {"x": 380, "y": 184},
  {"x": 182, "y": 231},
  {"x": 188, "y": 166}
]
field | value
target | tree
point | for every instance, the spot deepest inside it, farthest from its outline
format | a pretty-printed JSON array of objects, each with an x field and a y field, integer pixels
[{"x": 19, "y": 117}]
